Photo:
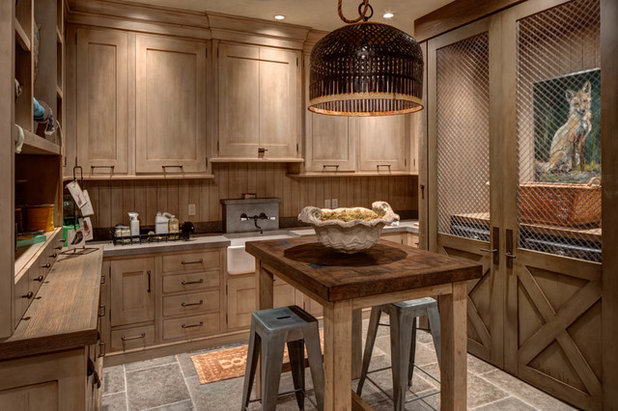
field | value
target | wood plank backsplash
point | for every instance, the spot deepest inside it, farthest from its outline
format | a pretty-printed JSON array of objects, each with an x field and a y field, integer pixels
[{"x": 112, "y": 200}]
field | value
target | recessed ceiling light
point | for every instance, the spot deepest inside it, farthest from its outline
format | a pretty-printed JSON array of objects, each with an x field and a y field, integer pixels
[
  {"x": 388, "y": 15},
  {"x": 279, "y": 17}
]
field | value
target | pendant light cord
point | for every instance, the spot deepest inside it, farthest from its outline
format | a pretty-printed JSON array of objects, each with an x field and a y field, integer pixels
[{"x": 362, "y": 12}]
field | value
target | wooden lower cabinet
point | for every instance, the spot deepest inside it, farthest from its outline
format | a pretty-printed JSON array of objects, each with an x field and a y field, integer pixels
[
  {"x": 66, "y": 380},
  {"x": 164, "y": 298},
  {"x": 405, "y": 238},
  {"x": 241, "y": 300}
]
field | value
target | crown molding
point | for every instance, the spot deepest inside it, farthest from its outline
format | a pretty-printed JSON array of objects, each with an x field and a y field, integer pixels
[{"x": 170, "y": 21}]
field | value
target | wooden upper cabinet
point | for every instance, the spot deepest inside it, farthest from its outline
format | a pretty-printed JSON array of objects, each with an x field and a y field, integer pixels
[
  {"x": 132, "y": 291},
  {"x": 259, "y": 101},
  {"x": 383, "y": 143},
  {"x": 330, "y": 143},
  {"x": 101, "y": 106},
  {"x": 239, "y": 100},
  {"x": 279, "y": 102},
  {"x": 170, "y": 105}
]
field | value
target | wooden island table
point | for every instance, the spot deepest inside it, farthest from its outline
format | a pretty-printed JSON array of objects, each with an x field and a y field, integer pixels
[{"x": 344, "y": 284}]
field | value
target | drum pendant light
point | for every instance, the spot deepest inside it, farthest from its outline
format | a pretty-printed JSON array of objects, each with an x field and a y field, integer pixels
[{"x": 366, "y": 69}]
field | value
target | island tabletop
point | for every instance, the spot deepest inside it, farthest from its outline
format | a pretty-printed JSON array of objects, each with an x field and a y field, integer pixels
[{"x": 345, "y": 283}]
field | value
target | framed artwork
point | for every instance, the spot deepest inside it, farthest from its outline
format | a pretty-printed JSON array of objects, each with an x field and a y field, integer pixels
[{"x": 567, "y": 127}]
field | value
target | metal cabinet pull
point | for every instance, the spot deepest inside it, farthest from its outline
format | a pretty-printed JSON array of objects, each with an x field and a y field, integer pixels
[
  {"x": 190, "y": 304},
  {"x": 39, "y": 278},
  {"x": 54, "y": 255},
  {"x": 137, "y": 337},
  {"x": 59, "y": 247},
  {"x": 103, "y": 349},
  {"x": 200, "y": 281},
  {"x": 110, "y": 167},
  {"x": 495, "y": 250},
  {"x": 46, "y": 265},
  {"x": 149, "y": 275},
  {"x": 383, "y": 165},
  {"x": 509, "y": 255},
  {"x": 262, "y": 150},
  {"x": 28, "y": 295},
  {"x": 180, "y": 166},
  {"x": 193, "y": 325},
  {"x": 335, "y": 166},
  {"x": 102, "y": 310},
  {"x": 200, "y": 261}
]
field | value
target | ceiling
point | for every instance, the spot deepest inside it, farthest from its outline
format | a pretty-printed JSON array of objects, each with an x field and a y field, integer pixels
[{"x": 318, "y": 14}]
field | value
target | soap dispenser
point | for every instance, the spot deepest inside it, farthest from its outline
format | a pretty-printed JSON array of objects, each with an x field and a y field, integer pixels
[{"x": 134, "y": 224}]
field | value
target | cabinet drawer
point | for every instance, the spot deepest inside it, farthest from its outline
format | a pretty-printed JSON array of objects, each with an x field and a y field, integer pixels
[
  {"x": 193, "y": 261},
  {"x": 190, "y": 281},
  {"x": 22, "y": 297},
  {"x": 190, "y": 327},
  {"x": 132, "y": 338},
  {"x": 194, "y": 303}
]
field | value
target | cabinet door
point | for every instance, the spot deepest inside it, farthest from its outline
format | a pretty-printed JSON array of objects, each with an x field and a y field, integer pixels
[
  {"x": 132, "y": 291},
  {"x": 241, "y": 301},
  {"x": 101, "y": 93},
  {"x": 383, "y": 143},
  {"x": 331, "y": 143},
  {"x": 239, "y": 100},
  {"x": 280, "y": 94},
  {"x": 170, "y": 105}
]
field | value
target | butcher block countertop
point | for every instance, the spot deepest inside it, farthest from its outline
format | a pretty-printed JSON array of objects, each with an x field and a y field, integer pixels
[
  {"x": 384, "y": 268},
  {"x": 64, "y": 313}
]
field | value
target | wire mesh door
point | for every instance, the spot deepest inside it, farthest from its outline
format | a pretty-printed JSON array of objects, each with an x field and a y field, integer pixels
[
  {"x": 558, "y": 130},
  {"x": 555, "y": 292},
  {"x": 460, "y": 126}
]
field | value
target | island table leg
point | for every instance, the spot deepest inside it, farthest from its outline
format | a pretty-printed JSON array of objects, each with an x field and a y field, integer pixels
[
  {"x": 453, "y": 331},
  {"x": 337, "y": 358}
]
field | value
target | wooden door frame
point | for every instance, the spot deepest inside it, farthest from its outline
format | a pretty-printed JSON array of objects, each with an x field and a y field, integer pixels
[
  {"x": 609, "y": 152},
  {"x": 490, "y": 25}
]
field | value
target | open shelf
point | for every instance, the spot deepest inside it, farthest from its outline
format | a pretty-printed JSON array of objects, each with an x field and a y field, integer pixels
[
  {"x": 34, "y": 144},
  {"x": 22, "y": 38}
]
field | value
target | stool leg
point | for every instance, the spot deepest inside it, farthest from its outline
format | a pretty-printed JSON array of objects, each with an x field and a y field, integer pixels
[
  {"x": 401, "y": 335},
  {"x": 412, "y": 353},
  {"x": 252, "y": 359},
  {"x": 296, "y": 350},
  {"x": 314, "y": 354},
  {"x": 272, "y": 359},
  {"x": 434, "y": 322},
  {"x": 372, "y": 332}
]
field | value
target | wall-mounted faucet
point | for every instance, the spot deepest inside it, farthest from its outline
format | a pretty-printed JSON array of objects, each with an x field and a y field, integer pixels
[{"x": 255, "y": 218}]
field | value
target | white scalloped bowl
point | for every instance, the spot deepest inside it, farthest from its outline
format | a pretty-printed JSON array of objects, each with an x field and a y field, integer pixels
[{"x": 352, "y": 236}]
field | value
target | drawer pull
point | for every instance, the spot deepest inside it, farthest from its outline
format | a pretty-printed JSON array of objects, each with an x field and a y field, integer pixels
[
  {"x": 200, "y": 281},
  {"x": 46, "y": 265},
  {"x": 39, "y": 278},
  {"x": 59, "y": 247},
  {"x": 28, "y": 295},
  {"x": 102, "y": 310},
  {"x": 193, "y": 325},
  {"x": 54, "y": 255},
  {"x": 191, "y": 304},
  {"x": 200, "y": 261},
  {"x": 137, "y": 337},
  {"x": 102, "y": 350}
]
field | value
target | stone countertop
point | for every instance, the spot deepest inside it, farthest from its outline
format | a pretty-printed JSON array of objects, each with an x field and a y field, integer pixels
[
  {"x": 220, "y": 240},
  {"x": 196, "y": 242}
]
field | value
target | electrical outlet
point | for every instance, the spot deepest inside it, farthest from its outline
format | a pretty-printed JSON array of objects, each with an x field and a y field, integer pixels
[
  {"x": 327, "y": 203},
  {"x": 191, "y": 210},
  {"x": 334, "y": 202}
]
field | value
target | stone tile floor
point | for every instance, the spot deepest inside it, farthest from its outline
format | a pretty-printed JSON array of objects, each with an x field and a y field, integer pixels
[{"x": 171, "y": 383}]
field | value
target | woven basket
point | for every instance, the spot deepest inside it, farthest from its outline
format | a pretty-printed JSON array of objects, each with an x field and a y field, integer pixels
[{"x": 566, "y": 205}]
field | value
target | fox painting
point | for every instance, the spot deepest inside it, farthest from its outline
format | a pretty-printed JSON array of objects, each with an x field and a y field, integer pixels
[{"x": 567, "y": 150}]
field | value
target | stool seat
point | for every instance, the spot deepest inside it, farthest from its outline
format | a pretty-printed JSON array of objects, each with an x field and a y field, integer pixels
[
  {"x": 270, "y": 331},
  {"x": 402, "y": 316}
]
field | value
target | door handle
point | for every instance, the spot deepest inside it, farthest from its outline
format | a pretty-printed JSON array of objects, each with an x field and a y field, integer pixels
[
  {"x": 509, "y": 249},
  {"x": 149, "y": 275},
  {"x": 495, "y": 240}
]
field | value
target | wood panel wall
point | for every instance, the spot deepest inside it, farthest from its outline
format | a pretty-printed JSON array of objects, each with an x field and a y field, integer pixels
[{"x": 112, "y": 200}]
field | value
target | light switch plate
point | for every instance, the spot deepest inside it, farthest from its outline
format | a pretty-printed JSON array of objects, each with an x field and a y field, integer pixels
[
  {"x": 327, "y": 203},
  {"x": 334, "y": 202},
  {"x": 191, "y": 210}
]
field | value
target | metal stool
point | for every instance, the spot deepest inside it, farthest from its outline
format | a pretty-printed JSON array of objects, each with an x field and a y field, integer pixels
[
  {"x": 271, "y": 330},
  {"x": 403, "y": 341}
]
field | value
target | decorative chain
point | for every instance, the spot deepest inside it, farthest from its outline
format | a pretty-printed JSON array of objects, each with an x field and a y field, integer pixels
[{"x": 362, "y": 13}]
